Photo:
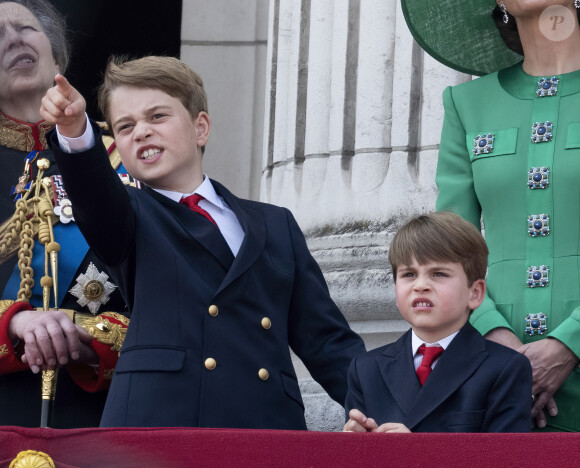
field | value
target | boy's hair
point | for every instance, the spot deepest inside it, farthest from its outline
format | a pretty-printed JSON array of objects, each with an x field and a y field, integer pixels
[
  {"x": 166, "y": 74},
  {"x": 440, "y": 236}
]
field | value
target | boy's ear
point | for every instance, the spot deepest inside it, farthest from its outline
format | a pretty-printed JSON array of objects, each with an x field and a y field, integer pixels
[
  {"x": 202, "y": 125},
  {"x": 476, "y": 294}
]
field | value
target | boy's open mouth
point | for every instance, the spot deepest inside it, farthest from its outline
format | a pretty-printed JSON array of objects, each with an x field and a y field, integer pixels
[
  {"x": 150, "y": 153},
  {"x": 422, "y": 303}
]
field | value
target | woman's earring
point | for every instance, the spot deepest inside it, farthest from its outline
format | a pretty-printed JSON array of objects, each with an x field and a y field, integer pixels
[
  {"x": 577, "y": 3},
  {"x": 506, "y": 17}
]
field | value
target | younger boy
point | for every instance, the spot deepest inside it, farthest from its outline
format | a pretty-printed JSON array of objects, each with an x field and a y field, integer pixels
[
  {"x": 218, "y": 287},
  {"x": 442, "y": 375}
]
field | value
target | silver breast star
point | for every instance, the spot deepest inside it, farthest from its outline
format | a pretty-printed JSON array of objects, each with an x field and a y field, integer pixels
[{"x": 92, "y": 288}]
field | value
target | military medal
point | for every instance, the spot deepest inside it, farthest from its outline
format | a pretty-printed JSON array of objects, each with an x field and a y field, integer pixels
[
  {"x": 64, "y": 211},
  {"x": 92, "y": 288},
  {"x": 24, "y": 182}
]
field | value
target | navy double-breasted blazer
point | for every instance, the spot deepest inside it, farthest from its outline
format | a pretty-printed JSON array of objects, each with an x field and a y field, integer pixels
[
  {"x": 476, "y": 386},
  {"x": 182, "y": 364}
]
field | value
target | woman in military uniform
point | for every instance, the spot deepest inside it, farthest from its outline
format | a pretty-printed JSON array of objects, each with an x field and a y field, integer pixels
[
  {"x": 510, "y": 157},
  {"x": 33, "y": 48}
]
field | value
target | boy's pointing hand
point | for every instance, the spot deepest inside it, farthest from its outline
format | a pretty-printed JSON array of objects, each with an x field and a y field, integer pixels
[{"x": 65, "y": 106}]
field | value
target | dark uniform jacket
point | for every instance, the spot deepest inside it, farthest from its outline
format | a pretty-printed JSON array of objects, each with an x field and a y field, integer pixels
[{"x": 20, "y": 389}]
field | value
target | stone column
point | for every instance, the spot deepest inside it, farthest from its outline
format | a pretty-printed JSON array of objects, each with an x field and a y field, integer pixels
[
  {"x": 353, "y": 118},
  {"x": 225, "y": 42}
]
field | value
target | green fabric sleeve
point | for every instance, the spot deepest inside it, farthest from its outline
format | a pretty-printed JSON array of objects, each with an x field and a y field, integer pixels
[
  {"x": 457, "y": 194},
  {"x": 486, "y": 317},
  {"x": 568, "y": 332},
  {"x": 454, "y": 177}
]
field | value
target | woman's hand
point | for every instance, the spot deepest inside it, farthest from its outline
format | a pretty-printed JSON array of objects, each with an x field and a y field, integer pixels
[
  {"x": 504, "y": 337},
  {"x": 552, "y": 362}
]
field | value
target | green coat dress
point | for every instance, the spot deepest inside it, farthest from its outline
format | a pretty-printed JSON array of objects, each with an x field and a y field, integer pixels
[{"x": 528, "y": 196}]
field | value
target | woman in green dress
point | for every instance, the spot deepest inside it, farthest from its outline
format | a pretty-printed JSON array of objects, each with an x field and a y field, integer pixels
[{"x": 509, "y": 159}]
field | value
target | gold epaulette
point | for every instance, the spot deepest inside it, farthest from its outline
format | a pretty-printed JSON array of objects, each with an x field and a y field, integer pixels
[{"x": 109, "y": 328}]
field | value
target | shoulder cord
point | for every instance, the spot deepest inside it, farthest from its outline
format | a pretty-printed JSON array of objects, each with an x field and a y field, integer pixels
[{"x": 34, "y": 214}]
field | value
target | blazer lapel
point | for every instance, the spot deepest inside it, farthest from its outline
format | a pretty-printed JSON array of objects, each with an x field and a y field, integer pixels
[
  {"x": 459, "y": 361},
  {"x": 252, "y": 221},
  {"x": 398, "y": 372},
  {"x": 199, "y": 228}
]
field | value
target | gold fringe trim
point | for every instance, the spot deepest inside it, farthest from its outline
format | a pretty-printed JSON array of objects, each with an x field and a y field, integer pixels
[{"x": 103, "y": 330}]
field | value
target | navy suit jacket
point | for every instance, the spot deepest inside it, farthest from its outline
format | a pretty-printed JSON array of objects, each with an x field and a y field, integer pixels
[
  {"x": 171, "y": 265},
  {"x": 476, "y": 386}
]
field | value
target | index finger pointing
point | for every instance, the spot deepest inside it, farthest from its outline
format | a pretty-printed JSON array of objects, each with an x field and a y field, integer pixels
[{"x": 62, "y": 83}]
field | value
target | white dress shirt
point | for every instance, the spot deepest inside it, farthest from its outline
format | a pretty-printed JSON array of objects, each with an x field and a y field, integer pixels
[
  {"x": 218, "y": 209},
  {"x": 215, "y": 205},
  {"x": 416, "y": 342}
]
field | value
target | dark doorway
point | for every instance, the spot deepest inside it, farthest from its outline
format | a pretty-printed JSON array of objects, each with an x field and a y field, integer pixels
[{"x": 100, "y": 28}]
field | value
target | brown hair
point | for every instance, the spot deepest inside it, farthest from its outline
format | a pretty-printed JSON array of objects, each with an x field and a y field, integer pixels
[
  {"x": 440, "y": 236},
  {"x": 166, "y": 74},
  {"x": 509, "y": 32}
]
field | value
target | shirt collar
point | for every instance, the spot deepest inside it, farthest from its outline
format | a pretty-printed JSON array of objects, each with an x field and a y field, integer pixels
[
  {"x": 443, "y": 342},
  {"x": 205, "y": 189}
]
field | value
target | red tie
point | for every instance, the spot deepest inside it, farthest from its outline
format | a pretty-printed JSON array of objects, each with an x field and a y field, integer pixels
[
  {"x": 430, "y": 353},
  {"x": 193, "y": 202}
]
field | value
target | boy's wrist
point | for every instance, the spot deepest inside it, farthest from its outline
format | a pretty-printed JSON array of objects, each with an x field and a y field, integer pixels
[{"x": 85, "y": 141}]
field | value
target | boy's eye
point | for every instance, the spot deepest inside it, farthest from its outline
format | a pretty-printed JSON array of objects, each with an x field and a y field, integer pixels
[
  {"x": 440, "y": 273},
  {"x": 408, "y": 274},
  {"x": 158, "y": 116},
  {"x": 123, "y": 128}
]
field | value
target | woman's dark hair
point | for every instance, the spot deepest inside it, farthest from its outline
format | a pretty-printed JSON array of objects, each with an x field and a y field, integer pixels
[
  {"x": 54, "y": 26},
  {"x": 509, "y": 32}
]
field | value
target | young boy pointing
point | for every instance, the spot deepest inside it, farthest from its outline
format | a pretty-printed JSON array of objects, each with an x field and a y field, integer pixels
[{"x": 218, "y": 287}]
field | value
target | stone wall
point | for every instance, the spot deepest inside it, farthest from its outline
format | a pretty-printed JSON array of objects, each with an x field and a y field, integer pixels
[{"x": 225, "y": 42}]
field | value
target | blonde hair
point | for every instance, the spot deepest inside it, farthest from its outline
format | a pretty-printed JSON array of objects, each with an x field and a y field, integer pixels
[
  {"x": 166, "y": 74},
  {"x": 440, "y": 236}
]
